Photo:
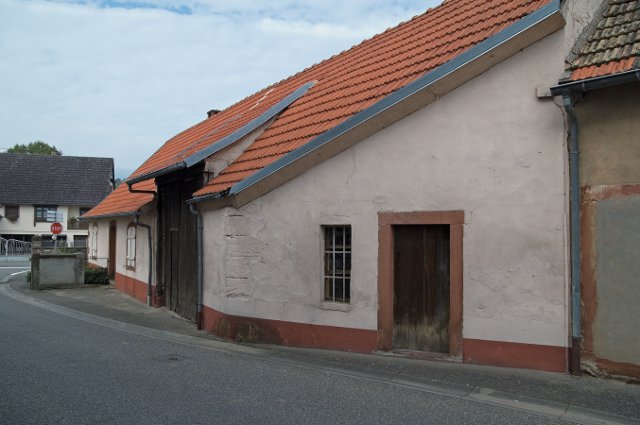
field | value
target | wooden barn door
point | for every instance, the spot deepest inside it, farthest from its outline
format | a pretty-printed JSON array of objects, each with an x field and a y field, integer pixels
[
  {"x": 111, "y": 258},
  {"x": 178, "y": 244},
  {"x": 421, "y": 287}
]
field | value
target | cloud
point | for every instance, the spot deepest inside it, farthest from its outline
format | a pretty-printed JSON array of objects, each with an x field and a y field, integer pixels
[{"x": 118, "y": 78}]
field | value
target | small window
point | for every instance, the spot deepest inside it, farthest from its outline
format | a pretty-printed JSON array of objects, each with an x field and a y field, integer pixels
[
  {"x": 337, "y": 263},
  {"x": 44, "y": 213},
  {"x": 94, "y": 242},
  {"x": 131, "y": 247},
  {"x": 12, "y": 212}
]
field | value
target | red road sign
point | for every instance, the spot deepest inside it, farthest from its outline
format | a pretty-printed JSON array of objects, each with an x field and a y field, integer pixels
[{"x": 56, "y": 228}]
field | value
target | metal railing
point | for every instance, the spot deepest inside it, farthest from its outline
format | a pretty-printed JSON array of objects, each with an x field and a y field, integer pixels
[
  {"x": 63, "y": 246},
  {"x": 74, "y": 224},
  {"x": 13, "y": 247}
]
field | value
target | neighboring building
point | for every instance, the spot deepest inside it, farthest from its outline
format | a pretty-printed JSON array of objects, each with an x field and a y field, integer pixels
[
  {"x": 406, "y": 194},
  {"x": 602, "y": 87},
  {"x": 38, "y": 190}
]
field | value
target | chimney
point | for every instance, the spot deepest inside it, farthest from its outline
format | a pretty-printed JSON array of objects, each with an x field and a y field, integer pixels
[{"x": 212, "y": 112}]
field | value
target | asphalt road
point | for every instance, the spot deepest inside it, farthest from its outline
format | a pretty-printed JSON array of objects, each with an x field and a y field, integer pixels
[
  {"x": 9, "y": 268},
  {"x": 56, "y": 369}
]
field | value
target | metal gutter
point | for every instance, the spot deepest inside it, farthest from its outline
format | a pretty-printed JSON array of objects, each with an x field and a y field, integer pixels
[
  {"x": 569, "y": 91},
  {"x": 228, "y": 140},
  {"x": 157, "y": 173},
  {"x": 210, "y": 197},
  {"x": 391, "y": 100},
  {"x": 150, "y": 248},
  {"x": 574, "y": 178},
  {"x": 115, "y": 215},
  {"x": 596, "y": 83}
]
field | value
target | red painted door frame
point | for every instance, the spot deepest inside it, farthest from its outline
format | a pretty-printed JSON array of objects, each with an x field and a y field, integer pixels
[{"x": 386, "y": 221}]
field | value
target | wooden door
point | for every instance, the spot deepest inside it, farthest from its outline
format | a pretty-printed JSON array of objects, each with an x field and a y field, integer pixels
[
  {"x": 111, "y": 259},
  {"x": 178, "y": 243},
  {"x": 421, "y": 287}
]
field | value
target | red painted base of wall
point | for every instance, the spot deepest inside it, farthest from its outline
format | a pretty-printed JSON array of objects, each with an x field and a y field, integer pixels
[
  {"x": 511, "y": 354},
  {"x": 248, "y": 329},
  {"x": 288, "y": 333},
  {"x": 133, "y": 287}
]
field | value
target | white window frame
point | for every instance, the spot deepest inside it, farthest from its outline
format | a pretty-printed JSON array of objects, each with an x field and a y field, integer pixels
[
  {"x": 131, "y": 247},
  {"x": 337, "y": 263}
]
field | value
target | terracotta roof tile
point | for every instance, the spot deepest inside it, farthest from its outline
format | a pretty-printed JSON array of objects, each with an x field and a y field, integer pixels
[
  {"x": 346, "y": 84},
  {"x": 613, "y": 46},
  {"x": 122, "y": 201},
  {"x": 356, "y": 79}
]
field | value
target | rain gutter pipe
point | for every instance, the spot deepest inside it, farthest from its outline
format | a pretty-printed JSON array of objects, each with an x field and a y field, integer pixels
[
  {"x": 574, "y": 179},
  {"x": 132, "y": 190},
  {"x": 199, "y": 248},
  {"x": 149, "y": 247},
  {"x": 569, "y": 92}
]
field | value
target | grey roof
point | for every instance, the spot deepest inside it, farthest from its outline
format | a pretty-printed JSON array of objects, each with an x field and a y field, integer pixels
[
  {"x": 54, "y": 180},
  {"x": 615, "y": 38}
]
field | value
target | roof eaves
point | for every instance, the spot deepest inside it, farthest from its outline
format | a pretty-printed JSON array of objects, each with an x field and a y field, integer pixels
[
  {"x": 230, "y": 139},
  {"x": 384, "y": 104},
  {"x": 113, "y": 215},
  {"x": 595, "y": 83}
]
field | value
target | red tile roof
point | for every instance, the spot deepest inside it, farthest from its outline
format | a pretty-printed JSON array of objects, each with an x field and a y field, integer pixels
[
  {"x": 613, "y": 44},
  {"x": 345, "y": 85},
  {"x": 121, "y": 201}
]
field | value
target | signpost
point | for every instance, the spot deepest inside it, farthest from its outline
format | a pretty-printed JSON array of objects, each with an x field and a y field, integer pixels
[{"x": 56, "y": 228}]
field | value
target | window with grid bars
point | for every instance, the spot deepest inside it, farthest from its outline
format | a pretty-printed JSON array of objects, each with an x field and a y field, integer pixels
[
  {"x": 131, "y": 247},
  {"x": 337, "y": 263}
]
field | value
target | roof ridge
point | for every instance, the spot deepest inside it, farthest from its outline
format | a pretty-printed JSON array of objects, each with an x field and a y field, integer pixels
[{"x": 36, "y": 155}]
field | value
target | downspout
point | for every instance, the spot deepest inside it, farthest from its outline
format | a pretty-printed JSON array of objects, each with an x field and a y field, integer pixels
[
  {"x": 574, "y": 179},
  {"x": 149, "y": 244},
  {"x": 199, "y": 248},
  {"x": 149, "y": 247}
]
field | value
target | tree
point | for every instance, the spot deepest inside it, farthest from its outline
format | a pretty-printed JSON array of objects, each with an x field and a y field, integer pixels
[{"x": 35, "y": 148}]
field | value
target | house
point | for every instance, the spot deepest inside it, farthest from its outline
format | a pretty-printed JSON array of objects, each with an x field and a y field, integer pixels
[
  {"x": 601, "y": 89},
  {"x": 38, "y": 190},
  {"x": 405, "y": 194}
]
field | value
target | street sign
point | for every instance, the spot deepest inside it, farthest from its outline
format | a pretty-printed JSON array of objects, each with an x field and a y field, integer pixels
[{"x": 56, "y": 228}]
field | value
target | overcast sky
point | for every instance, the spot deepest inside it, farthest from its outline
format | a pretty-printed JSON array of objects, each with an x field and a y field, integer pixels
[{"x": 117, "y": 78}]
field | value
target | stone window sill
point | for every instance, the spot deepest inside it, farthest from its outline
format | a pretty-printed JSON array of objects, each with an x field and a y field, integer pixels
[{"x": 328, "y": 305}]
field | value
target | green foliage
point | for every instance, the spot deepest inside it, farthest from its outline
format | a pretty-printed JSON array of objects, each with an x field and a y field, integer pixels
[
  {"x": 96, "y": 276},
  {"x": 35, "y": 148}
]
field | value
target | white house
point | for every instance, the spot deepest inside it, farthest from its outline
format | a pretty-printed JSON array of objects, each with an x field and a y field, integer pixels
[
  {"x": 409, "y": 193},
  {"x": 38, "y": 190}
]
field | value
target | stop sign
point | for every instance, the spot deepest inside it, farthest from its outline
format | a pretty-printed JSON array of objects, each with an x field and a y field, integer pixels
[{"x": 56, "y": 228}]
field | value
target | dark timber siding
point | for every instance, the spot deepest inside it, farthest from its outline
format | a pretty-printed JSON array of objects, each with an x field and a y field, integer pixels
[{"x": 177, "y": 267}]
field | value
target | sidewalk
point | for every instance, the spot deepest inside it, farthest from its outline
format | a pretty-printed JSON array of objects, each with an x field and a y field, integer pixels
[{"x": 574, "y": 399}]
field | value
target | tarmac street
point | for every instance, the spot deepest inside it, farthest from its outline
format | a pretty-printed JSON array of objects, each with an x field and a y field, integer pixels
[
  {"x": 9, "y": 268},
  {"x": 94, "y": 355}
]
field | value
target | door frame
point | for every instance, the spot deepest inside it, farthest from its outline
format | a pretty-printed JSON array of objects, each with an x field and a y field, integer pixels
[
  {"x": 111, "y": 256},
  {"x": 386, "y": 273}
]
